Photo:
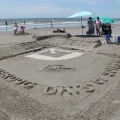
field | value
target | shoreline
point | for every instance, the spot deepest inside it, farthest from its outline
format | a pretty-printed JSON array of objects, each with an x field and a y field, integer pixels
[
  {"x": 54, "y": 26},
  {"x": 113, "y": 25},
  {"x": 73, "y": 30}
]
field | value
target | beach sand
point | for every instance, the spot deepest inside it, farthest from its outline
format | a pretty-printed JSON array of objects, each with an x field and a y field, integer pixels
[{"x": 84, "y": 87}]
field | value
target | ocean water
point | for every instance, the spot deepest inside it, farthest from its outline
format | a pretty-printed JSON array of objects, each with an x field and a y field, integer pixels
[{"x": 31, "y": 23}]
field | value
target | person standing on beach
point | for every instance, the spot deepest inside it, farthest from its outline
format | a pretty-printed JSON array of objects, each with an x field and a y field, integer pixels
[
  {"x": 15, "y": 29},
  {"x": 90, "y": 27},
  {"x": 24, "y": 22},
  {"x": 98, "y": 25},
  {"x": 6, "y": 24},
  {"x": 51, "y": 24}
]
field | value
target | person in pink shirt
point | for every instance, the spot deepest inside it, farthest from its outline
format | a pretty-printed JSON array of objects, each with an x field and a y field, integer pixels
[
  {"x": 22, "y": 30},
  {"x": 98, "y": 25}
]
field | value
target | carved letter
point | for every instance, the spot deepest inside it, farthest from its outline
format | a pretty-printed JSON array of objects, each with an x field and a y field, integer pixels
[
  {"x": 50, "y": 90},
  {"x": 88, "y": 88}
]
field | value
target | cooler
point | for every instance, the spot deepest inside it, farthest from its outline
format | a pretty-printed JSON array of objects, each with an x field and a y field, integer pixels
[
  {"x": 115, "y": 39},
  {"x": 118, "y": 39}
]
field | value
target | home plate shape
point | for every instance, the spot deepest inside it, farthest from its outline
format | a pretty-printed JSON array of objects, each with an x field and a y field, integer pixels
[{"x": 55, "y": 54}]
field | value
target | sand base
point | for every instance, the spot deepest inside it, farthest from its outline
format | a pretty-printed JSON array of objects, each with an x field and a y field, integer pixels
[{"x": 83, "y": 85}]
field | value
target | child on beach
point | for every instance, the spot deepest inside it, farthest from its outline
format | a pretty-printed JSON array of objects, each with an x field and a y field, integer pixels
[
  {"x": 22, "y": 30},
  {"x": 15, "y": 29}
]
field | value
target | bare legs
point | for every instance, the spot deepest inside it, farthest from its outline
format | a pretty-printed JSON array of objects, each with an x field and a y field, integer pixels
[
  {"x": 98, "y": 32},
  {"x": 15, "y": 32}
]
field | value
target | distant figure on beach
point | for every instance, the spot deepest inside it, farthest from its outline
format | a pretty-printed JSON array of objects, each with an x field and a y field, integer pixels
[
  {"x": 6, "y": 24},
  {"x": 90, "y": 27},
  {"x": 24, "y": 22},
  {"x": 22, "y": 28},
  {"x": 15, "y": 29},
  {"x": 98, "y": 24},
  {"x": 51, "y": 24},
  {"x": 59, "y": 31}
]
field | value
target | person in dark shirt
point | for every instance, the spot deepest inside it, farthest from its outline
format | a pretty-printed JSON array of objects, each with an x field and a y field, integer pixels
[
  {"x": 6, "y": 23},
  {"x": 90, "y": 27},
  {"x": 51, "y": 23}
]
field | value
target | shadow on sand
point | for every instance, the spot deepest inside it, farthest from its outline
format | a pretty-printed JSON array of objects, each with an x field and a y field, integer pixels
[{"x": 85, "y": 36}]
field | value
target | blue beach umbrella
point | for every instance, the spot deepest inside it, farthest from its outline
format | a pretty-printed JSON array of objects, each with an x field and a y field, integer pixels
[
  {"x": 105, "y": 19},
  {"x": 80, "y": 14}
]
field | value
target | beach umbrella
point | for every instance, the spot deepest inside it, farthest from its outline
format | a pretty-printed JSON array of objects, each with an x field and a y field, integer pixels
[
  {"x": 105, "y": 19},
  {"x": 80, "y": 14}
]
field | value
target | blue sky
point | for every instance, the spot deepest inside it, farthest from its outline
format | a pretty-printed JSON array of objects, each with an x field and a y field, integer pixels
[{"x": 57, "y": 8}]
